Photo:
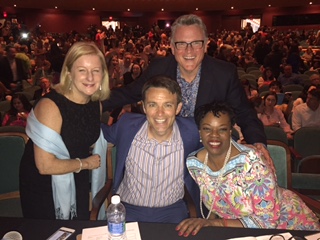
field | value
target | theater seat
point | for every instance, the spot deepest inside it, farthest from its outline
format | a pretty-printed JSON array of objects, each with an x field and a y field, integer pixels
[{"x": 11, "y": 147}]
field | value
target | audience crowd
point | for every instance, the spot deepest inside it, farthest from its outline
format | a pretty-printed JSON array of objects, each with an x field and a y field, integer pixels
[
  {"x": 281, "y": 56},
  {"x": 271, "y": 64}
]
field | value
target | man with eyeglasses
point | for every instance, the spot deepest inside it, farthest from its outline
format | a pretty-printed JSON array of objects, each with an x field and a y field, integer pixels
[{"x": 203, "y": 79}]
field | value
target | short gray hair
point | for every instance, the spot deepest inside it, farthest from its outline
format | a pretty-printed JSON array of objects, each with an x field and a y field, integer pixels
[{"x": 188, "y": 20}]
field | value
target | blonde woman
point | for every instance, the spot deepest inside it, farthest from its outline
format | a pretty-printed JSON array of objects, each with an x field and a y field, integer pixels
[{"x": 63, "y": 126}]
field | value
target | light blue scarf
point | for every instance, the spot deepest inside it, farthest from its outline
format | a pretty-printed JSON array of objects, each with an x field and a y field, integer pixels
[{"x": 63, "y": 186}]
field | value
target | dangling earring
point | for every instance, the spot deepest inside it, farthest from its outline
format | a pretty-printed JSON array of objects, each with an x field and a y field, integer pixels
[
  {"x": 100, "y": 87},
  {"x": 70, "y": 78},
  {"x": 200, "y": 140}
]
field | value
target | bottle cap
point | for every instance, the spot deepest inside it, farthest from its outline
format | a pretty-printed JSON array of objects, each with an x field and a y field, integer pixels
[
  {"x": 12, "y": 235},
  {"x": 115, "y": 199}
]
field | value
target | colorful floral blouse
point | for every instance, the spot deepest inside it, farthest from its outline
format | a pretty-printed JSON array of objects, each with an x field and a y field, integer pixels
[{"x": 248, "y": 191}]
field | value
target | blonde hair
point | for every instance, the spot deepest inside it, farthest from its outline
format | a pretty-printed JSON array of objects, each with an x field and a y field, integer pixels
[{"x": 76, "y": 51}]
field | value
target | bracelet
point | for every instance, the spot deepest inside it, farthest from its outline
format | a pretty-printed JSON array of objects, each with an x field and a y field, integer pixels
[
  {"x": 80, "y": 168},
  {"x": 224, "y": 222}
]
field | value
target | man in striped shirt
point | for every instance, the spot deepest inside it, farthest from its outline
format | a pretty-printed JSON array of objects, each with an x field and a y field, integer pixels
[{"x": 150, "y": 170}]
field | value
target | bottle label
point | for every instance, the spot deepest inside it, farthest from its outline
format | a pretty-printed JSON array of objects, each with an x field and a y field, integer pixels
[{"x": 116, "y": 229}]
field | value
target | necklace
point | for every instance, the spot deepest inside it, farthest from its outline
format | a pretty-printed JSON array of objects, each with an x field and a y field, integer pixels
[
  {"x": 268, "y": 114},
  {"x": 217, "y": 183}
]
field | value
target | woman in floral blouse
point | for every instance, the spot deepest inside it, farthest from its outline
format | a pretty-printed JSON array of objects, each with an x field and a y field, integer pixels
[{"x": 237, "y": 185}]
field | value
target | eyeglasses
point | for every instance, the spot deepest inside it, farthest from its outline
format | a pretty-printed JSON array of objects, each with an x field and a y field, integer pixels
[
  {"x": 280, "y": 237},
  {"x": 198, "y": 44}
]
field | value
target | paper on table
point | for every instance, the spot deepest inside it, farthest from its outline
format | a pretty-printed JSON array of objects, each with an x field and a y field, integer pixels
[
  {"x": 264, "y": 237},
  {"x": 99, "y": 233},
  {"x": 313, "y": 236}
]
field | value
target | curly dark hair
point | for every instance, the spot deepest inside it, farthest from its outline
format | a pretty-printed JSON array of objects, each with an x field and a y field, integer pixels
[{"x": 216, "y": 108}]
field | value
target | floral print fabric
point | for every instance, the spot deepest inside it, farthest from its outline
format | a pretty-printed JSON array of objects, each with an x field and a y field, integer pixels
[{"x": 248, "y": 191}]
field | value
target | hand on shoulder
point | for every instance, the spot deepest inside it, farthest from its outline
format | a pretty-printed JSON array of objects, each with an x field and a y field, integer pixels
[{"x": 263, "y": 149}]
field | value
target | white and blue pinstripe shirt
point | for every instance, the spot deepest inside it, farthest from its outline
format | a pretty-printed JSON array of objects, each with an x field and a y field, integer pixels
[{"x": 154, "y": 171}]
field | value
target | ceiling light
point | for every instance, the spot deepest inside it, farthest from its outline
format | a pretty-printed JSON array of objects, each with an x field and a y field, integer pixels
[
  {"x": 197, "y": 9},
  {"x": 93, "y": 9},
  {"x": 55, "y": 7},
  {"x": 162, "y": 9},
  {"x": 128, "y": 9},
  {"x": 232, "y": 7},
  {"x": 310, "y": 3},
  {"x": 269, "y": 5},
  {"x": 15, "y": 5}
]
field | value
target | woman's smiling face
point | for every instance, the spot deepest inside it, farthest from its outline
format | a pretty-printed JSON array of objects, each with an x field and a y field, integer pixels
[
  {"x": 215, "y": 133},
  {"x": 86, "y": 74}
]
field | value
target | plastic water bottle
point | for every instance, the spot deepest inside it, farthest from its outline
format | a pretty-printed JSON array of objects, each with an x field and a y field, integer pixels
[{"x": 116, "y": 217}]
